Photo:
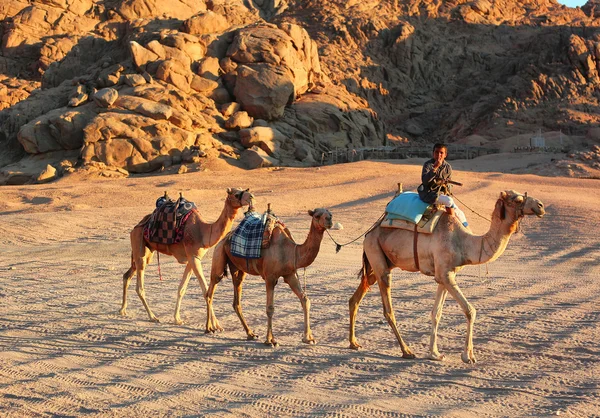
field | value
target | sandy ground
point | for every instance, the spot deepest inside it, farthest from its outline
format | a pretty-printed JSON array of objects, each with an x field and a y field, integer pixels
[{"x": 65, "y": 351}]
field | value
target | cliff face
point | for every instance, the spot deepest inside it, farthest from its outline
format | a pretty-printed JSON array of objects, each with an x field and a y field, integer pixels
[
  {"x": 447, "y": 69},
  {"x": 144, "y": 84}
]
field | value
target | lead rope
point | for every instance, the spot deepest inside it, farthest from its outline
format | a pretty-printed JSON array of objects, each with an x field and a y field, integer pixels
[
  {"x": 158, "y": 260},
  {"x": 338, "y": 246},
  {"x": 487, "y": 270}
]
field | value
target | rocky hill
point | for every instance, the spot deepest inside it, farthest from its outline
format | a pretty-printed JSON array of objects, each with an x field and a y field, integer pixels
[{"x": 142, "y": 85}]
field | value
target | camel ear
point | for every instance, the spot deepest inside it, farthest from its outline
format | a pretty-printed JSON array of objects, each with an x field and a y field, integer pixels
[
  {"x": 503, "y": 195},
  {"x": 311, "y": 212},
  {"x": 519, "y": 199},
  {"x": 229, "y": 190}
]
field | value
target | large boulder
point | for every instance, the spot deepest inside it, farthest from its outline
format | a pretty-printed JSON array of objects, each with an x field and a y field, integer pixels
[
  {"x": 134, "y": 142},
  {"x": 264, "y": 90},
  {"x": 59, "y": 129},
  {"x": 204, "y": 23},
  {"x": 178, "y": 9},
  {"x": 266, "y": 138},
  {"x": 289, "y": 47}
]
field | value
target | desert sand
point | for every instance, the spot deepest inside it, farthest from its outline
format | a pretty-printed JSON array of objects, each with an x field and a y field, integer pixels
[{"x": 65, "y": 351}]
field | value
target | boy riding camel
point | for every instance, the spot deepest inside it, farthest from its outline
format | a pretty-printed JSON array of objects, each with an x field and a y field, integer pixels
[{"x": 434, "y": 188}]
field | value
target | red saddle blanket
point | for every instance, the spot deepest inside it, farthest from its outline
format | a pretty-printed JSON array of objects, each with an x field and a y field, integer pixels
[{"x": 167, "y": 223}]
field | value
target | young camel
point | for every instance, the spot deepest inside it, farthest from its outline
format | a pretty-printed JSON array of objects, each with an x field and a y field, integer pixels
[
  {"x": 198, "y": 237},
  {"x": 442, "y": 255},
  {"x": 282, "y": 258}
]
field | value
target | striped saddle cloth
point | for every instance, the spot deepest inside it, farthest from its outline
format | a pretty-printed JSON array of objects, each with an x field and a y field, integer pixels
[{"x": 253, "y": 234}]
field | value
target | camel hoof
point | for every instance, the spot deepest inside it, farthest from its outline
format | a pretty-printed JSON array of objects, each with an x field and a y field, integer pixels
[
  {"x": 437, "y": 357},
  {"x": 355, "y": 346},
  {"x": 408, "y": 356},
  {"x": 155, "y": 320},
  {"x": 468, "y": 359},
  {"x": 310, "y": 341},
  {"x": 179, "y": 322},
  {"x": 123, "y": 312},
  {"x": 252, "y": 337},
  {"x": 272, "y": 343}
]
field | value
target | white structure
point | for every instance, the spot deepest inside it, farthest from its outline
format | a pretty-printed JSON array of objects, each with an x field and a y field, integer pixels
[{"x": 538, "y": 140}]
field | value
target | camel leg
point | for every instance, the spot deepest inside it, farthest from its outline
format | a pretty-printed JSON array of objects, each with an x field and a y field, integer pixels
[
  {"x": 385, "y": 283},
  {"x": 469, "y": 311},
  {"x": 140, "y": 269},
  {"x": 212, "y": 325},
  {"x": 270, "y": 310},
  {"x": 294, "y": 283},
  {"x": 238, "y": 277},
  {"x": 183, "y": 284},
  {"x": 197, "y": 267},
  {"x": 126, "y": 280},
  {"x": 436, "y": 315},
  {"x": 357, "y": 297}
]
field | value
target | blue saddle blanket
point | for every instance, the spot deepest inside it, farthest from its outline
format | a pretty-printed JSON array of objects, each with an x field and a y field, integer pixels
[
  {"x": 407, "y": 206},
  {"x": 246, "y": 239}
]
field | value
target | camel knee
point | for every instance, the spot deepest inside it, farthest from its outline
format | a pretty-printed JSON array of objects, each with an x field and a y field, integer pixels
[
  {"x": 471, "y": 313},
  {"x": 305, "y": 301},
  {"x": 387, "y": 278},
  {"x": 140, "y": 291},
  {"x": 128, "y": 274},
  {"x": 436, "y": 315},
  {"x": 270, "y": 311},
  {"x": 389, "y": 316}
]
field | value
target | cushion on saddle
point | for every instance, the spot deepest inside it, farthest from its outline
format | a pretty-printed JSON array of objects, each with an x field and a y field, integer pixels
[
  {"x": 407, "y": 206},
  {"x": 166, "y": 224},
  {"x": 246, "y": 239},
  {"x": 426, "y": 225}
]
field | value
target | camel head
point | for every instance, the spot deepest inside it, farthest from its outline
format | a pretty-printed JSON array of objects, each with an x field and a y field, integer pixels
[
  {"x": 322, "y": 218},
  {"x": 520, "y": 205},
  {"x": 239, "y": 197}
]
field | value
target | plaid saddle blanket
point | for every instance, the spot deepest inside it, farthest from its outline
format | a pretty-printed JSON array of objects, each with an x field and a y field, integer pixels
[
  {"x": 166, "y": 224},
  {"x": 246, "y": 240}
]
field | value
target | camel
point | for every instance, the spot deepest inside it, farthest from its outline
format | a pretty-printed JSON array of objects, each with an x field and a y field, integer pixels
[
  {"x": 198, "y": 237},
  {"x": 441, "y": 255},
  {"x": 282, "y": 258}
]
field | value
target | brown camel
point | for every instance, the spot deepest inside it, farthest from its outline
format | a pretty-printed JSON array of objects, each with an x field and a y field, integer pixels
[
  {"x": 198, "y": 237},
  {"x": 442, "y": 255},
  {"x": 282, "y": 258}
]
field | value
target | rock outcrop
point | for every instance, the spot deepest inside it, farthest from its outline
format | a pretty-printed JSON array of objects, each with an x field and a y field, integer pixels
[{"x": 140, "y": 85}]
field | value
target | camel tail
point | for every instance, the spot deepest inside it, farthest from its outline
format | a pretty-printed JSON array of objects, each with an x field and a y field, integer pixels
[
  {"x": 127, "y": 275},
  {"x": 363, "y": 273},
  {"x": 225, "y": 270}
]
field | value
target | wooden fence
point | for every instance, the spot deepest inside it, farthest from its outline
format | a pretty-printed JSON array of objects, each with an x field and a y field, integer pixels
[{"x": 338, "y": 156}]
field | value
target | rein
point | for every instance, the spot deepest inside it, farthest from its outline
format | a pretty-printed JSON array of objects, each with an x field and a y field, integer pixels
[{"x": 339, "y": 246}]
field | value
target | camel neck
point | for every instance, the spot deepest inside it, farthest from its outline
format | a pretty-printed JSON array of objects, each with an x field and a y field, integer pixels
[
  {"x": 307, "y": 252},
  {"x": 488, "y": 247},
  {"x": 223, "y": 224}
]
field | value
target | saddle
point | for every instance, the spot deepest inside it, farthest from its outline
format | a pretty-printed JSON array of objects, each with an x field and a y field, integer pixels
[
  {"x": 166, "y": 224},
  {"x": 254, "y": 234},
  {"x": 408, "y": 211},
  {"x": 426, "y": 225}
]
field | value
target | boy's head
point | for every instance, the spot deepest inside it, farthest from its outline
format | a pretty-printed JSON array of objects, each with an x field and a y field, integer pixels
[{"x": 440, "y": 151}]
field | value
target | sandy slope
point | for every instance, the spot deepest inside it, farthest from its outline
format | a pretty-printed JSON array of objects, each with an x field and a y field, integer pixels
[{"x": 65, "y": 351}]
